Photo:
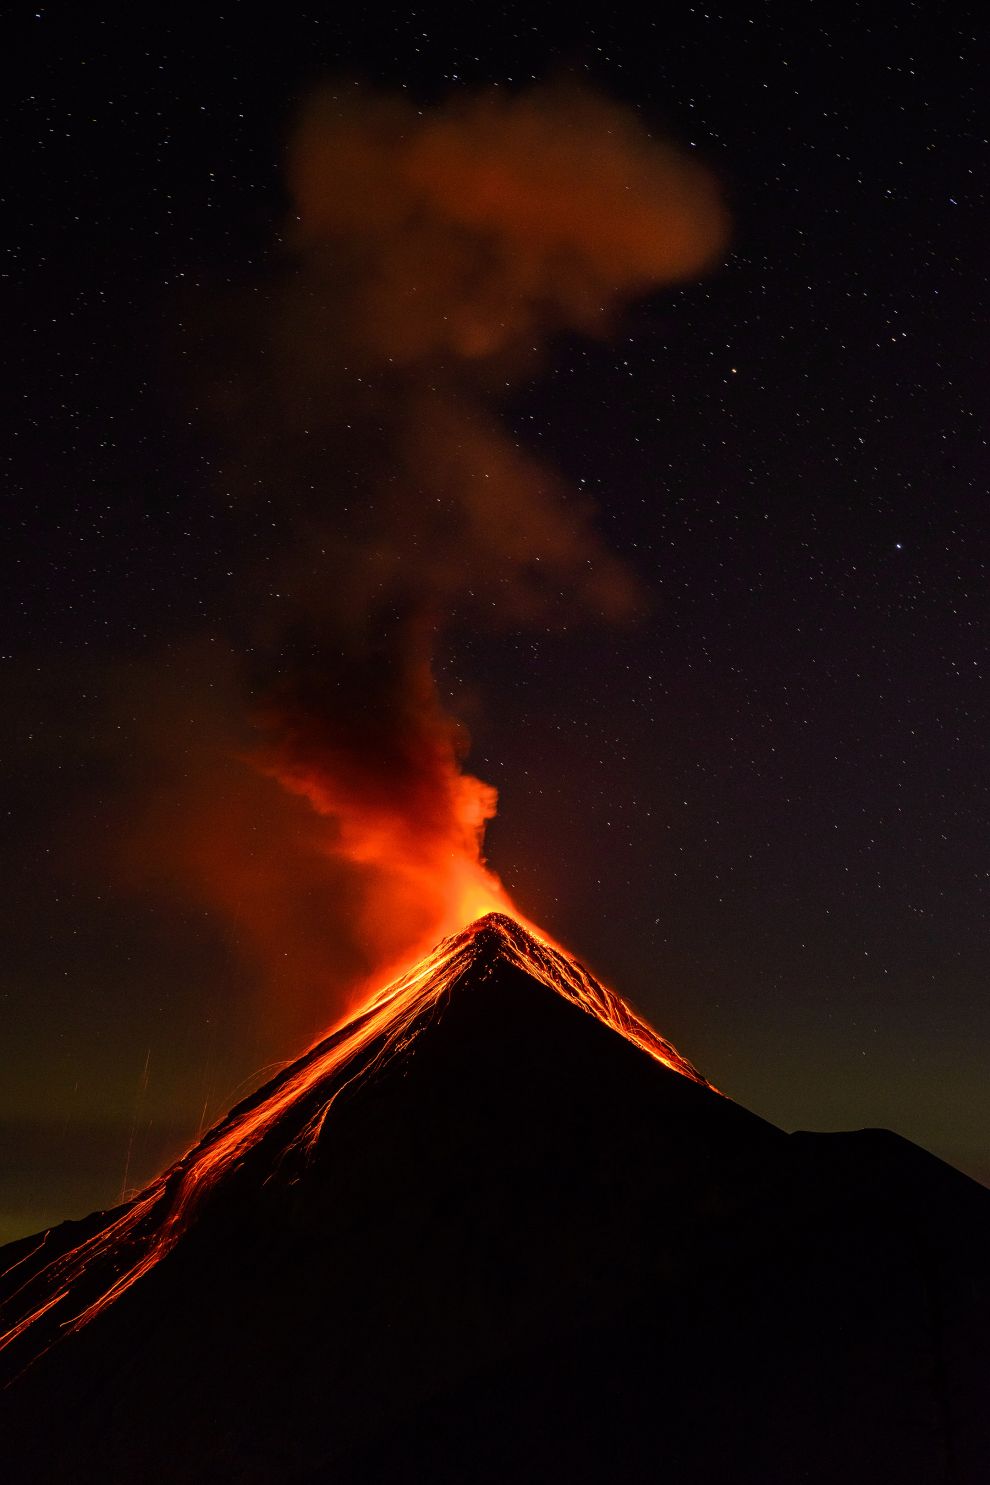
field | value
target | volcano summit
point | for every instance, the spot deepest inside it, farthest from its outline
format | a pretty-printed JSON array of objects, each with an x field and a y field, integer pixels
[{"x": 496, "y": 1228}]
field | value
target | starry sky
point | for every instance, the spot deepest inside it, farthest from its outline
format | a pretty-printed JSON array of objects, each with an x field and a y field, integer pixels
[{"x": 759, "y": 808}]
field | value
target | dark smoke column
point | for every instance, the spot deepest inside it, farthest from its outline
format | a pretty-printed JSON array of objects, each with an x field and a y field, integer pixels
[{"x": 431, "y": 254}]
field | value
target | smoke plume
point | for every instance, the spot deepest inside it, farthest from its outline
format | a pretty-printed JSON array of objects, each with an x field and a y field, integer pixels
[{"x": 429, "y": 258}]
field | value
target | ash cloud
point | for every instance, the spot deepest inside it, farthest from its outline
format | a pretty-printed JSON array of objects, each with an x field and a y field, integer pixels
[
  {"x": 430, "y": 257},
  {"x": 471, "y": 231}
]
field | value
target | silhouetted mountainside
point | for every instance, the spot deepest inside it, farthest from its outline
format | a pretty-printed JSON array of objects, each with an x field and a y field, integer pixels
[{"x": 516, "y": 1248}]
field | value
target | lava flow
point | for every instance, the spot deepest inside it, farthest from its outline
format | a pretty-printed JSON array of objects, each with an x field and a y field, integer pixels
[{"x": 290, "y": 1112}]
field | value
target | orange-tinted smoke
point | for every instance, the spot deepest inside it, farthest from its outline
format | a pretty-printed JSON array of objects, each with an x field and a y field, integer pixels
[
  {"x": 332, "y": 832},
  {"x": 431, "y": 256},
  {"x": 369, "y": 748},
  {"x": 474, "y": 228}
]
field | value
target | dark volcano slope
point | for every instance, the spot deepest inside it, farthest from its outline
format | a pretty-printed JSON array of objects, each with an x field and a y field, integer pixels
[{"x": 525, "y": 1251}]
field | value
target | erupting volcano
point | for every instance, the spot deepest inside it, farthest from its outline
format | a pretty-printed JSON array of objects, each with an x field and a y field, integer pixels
[
  {"x": 496, "y": 1227},
  {"x": 287, "y": 1117}
]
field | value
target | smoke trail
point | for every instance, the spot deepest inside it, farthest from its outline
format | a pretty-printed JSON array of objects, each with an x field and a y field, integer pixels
[{"x": 429, "y": 258}]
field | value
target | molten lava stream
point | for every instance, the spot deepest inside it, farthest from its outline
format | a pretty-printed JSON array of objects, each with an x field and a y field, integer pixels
[{"x": 150, "y": 1227}]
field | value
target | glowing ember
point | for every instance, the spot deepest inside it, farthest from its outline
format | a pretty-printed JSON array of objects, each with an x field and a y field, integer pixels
[{"x": 291, "y": 1112}]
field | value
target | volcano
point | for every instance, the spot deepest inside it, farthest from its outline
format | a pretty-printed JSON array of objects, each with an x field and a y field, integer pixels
[{"x": 495, "y": 1228}]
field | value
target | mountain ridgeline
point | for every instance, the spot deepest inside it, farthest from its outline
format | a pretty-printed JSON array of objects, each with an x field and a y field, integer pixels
[{"x": 496, "y": 1228}]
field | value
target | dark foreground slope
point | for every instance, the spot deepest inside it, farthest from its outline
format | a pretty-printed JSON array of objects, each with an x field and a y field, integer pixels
[{"x": 523, "y": 1250}]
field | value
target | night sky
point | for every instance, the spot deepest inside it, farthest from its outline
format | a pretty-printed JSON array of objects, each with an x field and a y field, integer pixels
[{"x": 756, "y": 805}]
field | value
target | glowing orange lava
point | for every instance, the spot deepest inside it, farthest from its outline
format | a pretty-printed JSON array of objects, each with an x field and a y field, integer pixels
[{"x": 292, "y": 1110}]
